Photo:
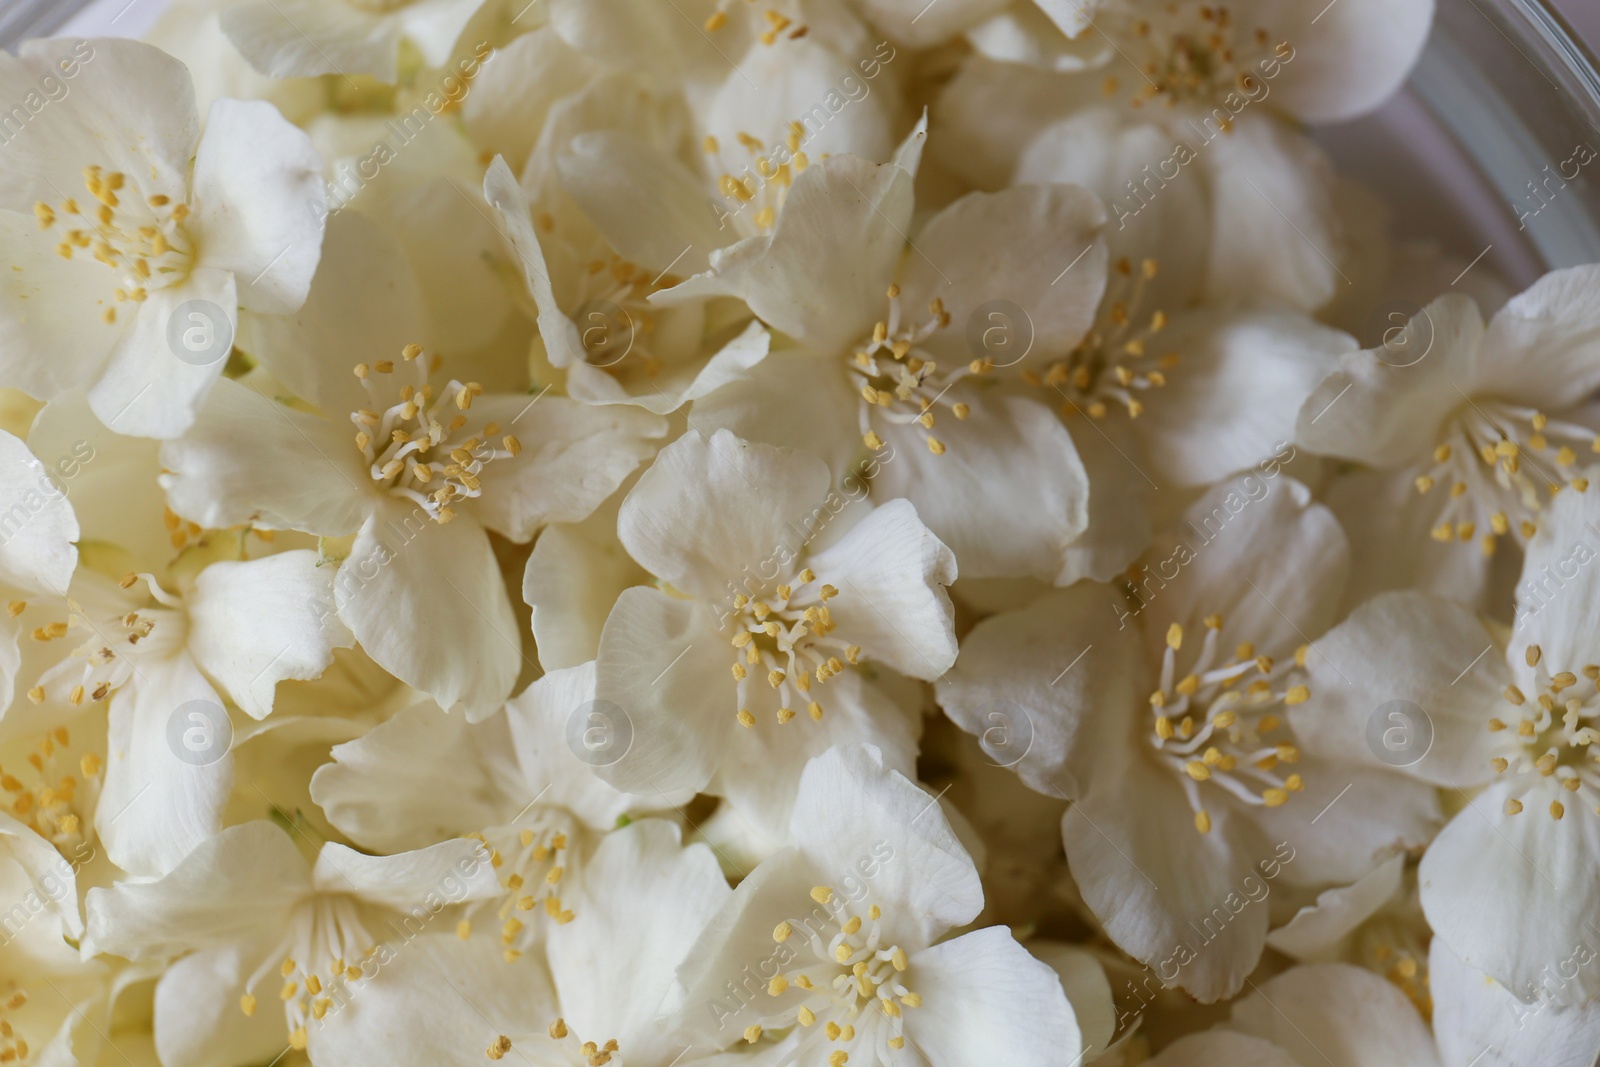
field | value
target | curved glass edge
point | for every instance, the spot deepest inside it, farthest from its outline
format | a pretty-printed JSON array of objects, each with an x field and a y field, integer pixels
[
  {"x": 1515, "y": 88},
  {"x": 35, "y": 18}
]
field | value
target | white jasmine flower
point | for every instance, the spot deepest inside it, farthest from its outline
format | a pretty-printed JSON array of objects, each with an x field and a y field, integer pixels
[
  {"x": 255, "y": 922},
  {"x": 754, "y": 626},
  {"x": 423, "y": 468},
  {"x": 512, "y": 781},
  {"x": 143, "y": 238},
  {"x": 304, "y": 38},
  {"x": 1182, "y": 705},
  {"x": 1507, "y": 714},
  {"x": 1484, "y": 421},
  {"x": 1350, "y": 58},
  {"x": 994, "y": 474},
  {"x": 592, "y": 997},
  {"x": 234, "y": 628},
  {"x": 37, "y": 554},
  {"x": 1322, "y": 1013},
  {"x": 839, "y": 940}
]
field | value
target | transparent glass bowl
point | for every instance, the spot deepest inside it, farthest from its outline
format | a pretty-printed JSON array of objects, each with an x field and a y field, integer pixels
[{"x": 1485, "y": 150}]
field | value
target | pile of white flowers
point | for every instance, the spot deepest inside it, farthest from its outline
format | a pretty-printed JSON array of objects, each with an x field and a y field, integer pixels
[{"x": 738, "y": 533}]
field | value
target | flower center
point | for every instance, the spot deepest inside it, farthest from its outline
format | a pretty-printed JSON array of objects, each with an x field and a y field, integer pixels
[
  {"x": 532, "y": 880},
  {"x": 756, "y": 194},
  {"x": 592, "y": 1054},
  {"x": 1212, "y": 724},
  {"x": 779, "y": 25},
  {"x": 141, "y": 238},
  {"x": 1551, "y": 735},
  {"x": 411, "y": 451},
  {"x": 1496, "y": 457},
  {"x": 1188, "y": 51},
  {"x": 614, "y": 317},
  {"x": 13, "y": 1048},
  {"x": 1113, "y": 362},
  {"x": 46, "y": 797},
  {"x": 790, "y": 641},
  {"x": 326, "y": 933},
  {"x": 899, "y": 383},
  {"x": 103, "y": 660},
  {"x": 1395, "y": 952},
  {"x": 854, "y": 979}
]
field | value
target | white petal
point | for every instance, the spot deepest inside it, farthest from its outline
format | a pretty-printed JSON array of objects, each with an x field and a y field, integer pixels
[
  {"x": 1408, "y": 647},
  {"x": 129, "y": 105},
  {"x": 761, "y": 766},
  {"x": 1084, "y": 980},
  {"x": 250, "y": 460},
  {"x": 37, "y": 521},
  {"x": 52, "y": 880},
  {"x": 851, "y": 811},
  {"x": 1347, "y": 818},
  {"x": 52, "y": 336},
  {"x": 259, "y": 622},
  {"x": 665, "y": 667},
  {"x": 982, "y": 991},
  {"x": 652, "y": 210},
  {"x": 1289, "y": 549},
  {"x": 420, "y": 777},
  {"x": 435, "y": 26},
  {"x": 1339, "y": 1014},
  {"x": 804, "y": 82},
  {"x": 711, "y": 508},
  {"x": 514, "y": 94},
  {"x": 426, "y": 601},
  {"x": 1120, "y": 524},
  {"x": 1028, "y": 684},
  {"x": 1497, "y": 888},
  {"x": 1263, "y": 174},
  {"x": 1477, "y": 1020},
  {"x": 892, "y": 572},
  {"x": 793, "y": 399},
  {"x": 1098, "y": 148},
  {"x": 990, "y": 112},
  {"x": 574, "y": 576},
  {"x": 1221, "y": 1046},
  {"x": 1349, "y": 59},
  {"x": 1389, "y": 525},
  {"x": 451, "y": 871},
  {"x": 365, "y": 304},
  {"x": 1384, "y": 406},
  {"x": 556, "y": 719},
  {"x": 989, "y": 247},
  {"x": 918, "y": 25},
  {"x": 1191, "y": 906},
  {"x": 1009, "y": 495},
  {"x": 1557, "y": 612},
  {"x": 572, "y": 457},
  {"x": 822, "y": 274},
  {"x": 308, "y": 38},
  {"x": 197, "y": 1021},
  {"x": 439, "y": 1001},
  {"x": 147, "y": 388},
  {"x": 261, "y": 203},
  {"x": 644, "y": 900},
  {"x": 154, "y": 807},
  {"x": 242, "y": 882},
  {"x": 1543, "y": 347},
  {"x": 1317, "y": 931},
  {"x": 1234, "y": 396}
]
